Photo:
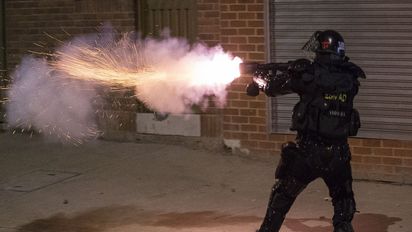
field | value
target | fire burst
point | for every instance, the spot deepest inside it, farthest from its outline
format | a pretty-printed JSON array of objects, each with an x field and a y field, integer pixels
[
  {"x": 185, "y": 74},
  {"x": 168, "y": 74}
]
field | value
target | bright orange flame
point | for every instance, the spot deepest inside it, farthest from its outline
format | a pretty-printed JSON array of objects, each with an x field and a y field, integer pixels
[
  {"x": 167, "y": 75},
  {"x": 220, "y": 70}
]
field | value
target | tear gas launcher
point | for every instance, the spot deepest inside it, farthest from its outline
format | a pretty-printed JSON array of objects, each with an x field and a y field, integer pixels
[{"x": 264, "y": 74}]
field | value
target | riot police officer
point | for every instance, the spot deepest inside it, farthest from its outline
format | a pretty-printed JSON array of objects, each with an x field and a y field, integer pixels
[{"x": 324, "y": 118}]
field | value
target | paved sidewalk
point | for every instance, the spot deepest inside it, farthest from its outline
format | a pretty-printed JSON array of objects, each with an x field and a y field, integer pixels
[{"x": 141, "y": 187}]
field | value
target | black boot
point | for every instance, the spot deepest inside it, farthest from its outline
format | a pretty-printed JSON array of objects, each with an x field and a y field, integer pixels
[{"x": 272, "y": 222}]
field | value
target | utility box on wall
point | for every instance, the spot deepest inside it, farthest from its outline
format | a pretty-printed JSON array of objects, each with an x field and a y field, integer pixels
[{"x": 184, "y": 125}]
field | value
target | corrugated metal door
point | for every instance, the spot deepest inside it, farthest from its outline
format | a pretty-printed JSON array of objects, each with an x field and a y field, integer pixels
[
  {"x": 378, "y": 36},
  {"x": 177, "y": 15}
]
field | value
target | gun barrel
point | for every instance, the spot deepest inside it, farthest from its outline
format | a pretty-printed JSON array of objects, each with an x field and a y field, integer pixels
[
  {"x": 252, "y": 67},
  {"x": 248, "y": 67}
]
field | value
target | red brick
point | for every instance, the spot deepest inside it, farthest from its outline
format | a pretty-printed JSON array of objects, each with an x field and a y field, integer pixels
[
  {"x": 356, "y": 158},
  {"x": 402, "y": 152},
  {"x": 260, "y": 31},
  {"x": 211, "y": 14},
  {"x": 237, "y": 7},
  {"x": 372, "y": 142},
  {"x": 372, "y": 160},
  {"x": 261, "y": 48},
  {"x": 237, "y": 39},
  {"x": 238, "y": 87},
  {"x": 231, "y": 47},
  {"x": 249, "y": 144},
  {"x": 403, "y": 170},
  {"x": 248, "y": 112},
  {"x": 247, "y": 16},
  {"x": 407, "y": 162},
  {"x": 206, "y": 7},
  {"x": 256, "y": 39},
  {"x": 224, "y": 24},
  {"x": 227, "y": 135},
  {"x": 247, "y": 31},
  {"x": 267, "y": 145},
  {"x": 231, "y": 127},
  {"x": 258, "y": 136},
  {"x": 249, "y": 128},
  {"x": 257, "y": 105},
  {"x": 355, "y": 142},
  {"x": 237, "y": 23},
  {"x": 239, "y": 104},
  {"x": 256, "y": 56},
  {"x": 240, "y": 135},
  {"x": 228, "y": 1},
  {"x": 383, "y": 151},
  {"x": 392, "y": 160},
  {"x": 262, "y": 113},
  {"x": 247, "y": 47},
  {"x": 407, "y": 144},
  {"x": 385, "y": 169},
  {"x": 240, "y": 119},
  {"x": 230, "y": 15},
  {"x": 255, "y": 23},
  {"x": 246, "y": 1},
  {"x": 259, "y": 8},
  {"x": 263, "y": 129},
  {"x": 277, "y": 137},
  {"x": 257, "y": 120},
  {"x": 224, "y": 8},
  {"x": 227, "y": 118},
  {"x": 229, "y": 111},
  {"x": 362, "y": 150},
  {"x": 391, "y": 143},
  {"x": 233, "y": 96}
]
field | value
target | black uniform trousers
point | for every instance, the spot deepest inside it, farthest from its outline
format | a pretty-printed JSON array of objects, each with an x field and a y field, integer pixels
[{"x": 301, "y": 163}]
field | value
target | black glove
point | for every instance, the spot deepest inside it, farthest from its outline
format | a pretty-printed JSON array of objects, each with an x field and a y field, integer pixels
[{"x": 252, "y": 89}]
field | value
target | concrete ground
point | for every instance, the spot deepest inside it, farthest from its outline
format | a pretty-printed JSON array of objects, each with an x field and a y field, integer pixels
[{"x": 146, "y": 187}]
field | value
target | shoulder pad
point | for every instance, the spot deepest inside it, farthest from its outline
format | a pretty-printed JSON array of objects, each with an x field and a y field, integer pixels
[
  {"x": 354, "y": 69},
  {"x": 300, "y": 65}
]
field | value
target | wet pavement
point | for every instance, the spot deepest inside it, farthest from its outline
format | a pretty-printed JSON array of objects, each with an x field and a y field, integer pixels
[{"x": 120, "y": 187}]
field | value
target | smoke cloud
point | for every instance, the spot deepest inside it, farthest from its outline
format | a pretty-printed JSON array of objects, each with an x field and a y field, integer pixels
[
  {"x": 49, "y": 101},
  {"x": 169, "y": 75}
]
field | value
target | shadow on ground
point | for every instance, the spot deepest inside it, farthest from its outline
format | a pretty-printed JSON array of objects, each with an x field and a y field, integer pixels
[
  {"x": 101, "y": 219},
  {"x": 367, "y": 222}
]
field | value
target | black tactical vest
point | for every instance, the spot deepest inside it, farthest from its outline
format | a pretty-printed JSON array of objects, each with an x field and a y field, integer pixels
[{"x": 326, "y": 102}]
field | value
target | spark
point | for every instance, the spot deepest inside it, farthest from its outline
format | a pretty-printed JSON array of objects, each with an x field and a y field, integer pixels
[{"x": 167, "y": 74}]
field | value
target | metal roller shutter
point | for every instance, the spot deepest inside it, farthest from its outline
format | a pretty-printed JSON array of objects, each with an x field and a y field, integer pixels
[
  {"x": 378, "y": 36},
  {"x": 177, "y": 15}
]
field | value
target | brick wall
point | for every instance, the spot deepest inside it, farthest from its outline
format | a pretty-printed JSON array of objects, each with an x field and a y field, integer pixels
[{"x": 239, "y": 26}]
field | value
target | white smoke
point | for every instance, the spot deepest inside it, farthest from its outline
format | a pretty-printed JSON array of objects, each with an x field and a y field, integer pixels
[
  {"x": 169, "y": 75},
  {"x": 48, "y": 101}
]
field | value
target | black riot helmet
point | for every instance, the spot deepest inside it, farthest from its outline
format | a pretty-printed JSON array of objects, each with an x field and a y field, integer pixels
[{"x": 328, "y": 41}]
